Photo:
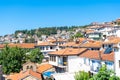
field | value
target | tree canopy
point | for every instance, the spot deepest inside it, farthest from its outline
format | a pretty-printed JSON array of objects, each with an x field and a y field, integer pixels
[
  {"x": 35, "y": 56},
  {"x": 105, "y": 74},
  {"x": 12, "y": 58},
  {"x": 46, "y": 30},
  {"x": 82, "y": 75}
]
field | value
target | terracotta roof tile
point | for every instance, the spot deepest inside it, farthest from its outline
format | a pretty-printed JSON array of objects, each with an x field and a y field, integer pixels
[
  {"x": 112, "y": 40},
  {"x": 45, "y": 44},
  {"x": 13, "y": 76},
  {"x": 69, "y": 51},
  {"x": 22, "y": 75},
  {"x": 44, "y": 67},
  {"x": 71, "y": 44},
  {"x": 92, "y": 44},
  {"x": 2, "y": 46},
  {"x": 58, "y": 40},
  {"x": 89, "y": 31},
  {"x": 92, "y": 54},
  {"x": 22, "y": 45}
]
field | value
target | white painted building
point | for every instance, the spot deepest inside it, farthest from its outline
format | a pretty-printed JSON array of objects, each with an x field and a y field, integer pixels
[
  {"x": 117, "y": 58},
  {"x": 74, "y": 60},
  {"x": 46, "y": 47},
  {"x": 66, "y": 60}
]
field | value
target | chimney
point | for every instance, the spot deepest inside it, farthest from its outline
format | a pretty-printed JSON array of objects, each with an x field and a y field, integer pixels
[{"x": 77, "y": 41}]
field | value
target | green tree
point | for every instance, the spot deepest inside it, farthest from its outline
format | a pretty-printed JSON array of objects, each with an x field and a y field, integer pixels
[
  {"x": 12, "y": 59},
  {"x": 105, "y": 74},
  {"x": 114, "y": 78},
  {"x": 78, "y": 35},
  {"x": 31, "y": 40},
  {"x": 35, "y": 56},
  {"x": 82, "y": 75}
]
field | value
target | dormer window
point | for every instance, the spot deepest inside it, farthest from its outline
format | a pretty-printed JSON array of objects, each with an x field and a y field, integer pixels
[
  {"x": 31, "y": 67},
  {"x": 27, "y": 67}
]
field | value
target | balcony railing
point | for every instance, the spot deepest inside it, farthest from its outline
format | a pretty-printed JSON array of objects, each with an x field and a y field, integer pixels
[{"x": 62, "y": 64}]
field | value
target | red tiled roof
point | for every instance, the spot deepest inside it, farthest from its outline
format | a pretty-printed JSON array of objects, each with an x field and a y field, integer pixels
[
  {"x": 113, "y": 40},
  {"x": 92, "y": 44},
  {"x": 92, "y": 54},
  {"x": 45, "y": 44},
  {"x": 44, "y": 67},
  {"x": 2, "y": 46},
  {"x": 22, "y": 45},
  {"x": 69, "y": 51},
  {"x": 21, "y": 75}
]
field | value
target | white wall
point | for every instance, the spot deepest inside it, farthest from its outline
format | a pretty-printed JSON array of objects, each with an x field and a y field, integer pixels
[
  {"x": 93, "y": 35},
  {"x": 117, "y": 58},
  {"x": 54, "y": 63},
  {"x": 118, "y": 33},
  {"x": 75, "y": 64}
]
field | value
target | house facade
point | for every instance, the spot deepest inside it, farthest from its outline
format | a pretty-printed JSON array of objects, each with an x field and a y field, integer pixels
[
  {"x": 46, "y": 47},
  {"x": 73, "y": 60}
]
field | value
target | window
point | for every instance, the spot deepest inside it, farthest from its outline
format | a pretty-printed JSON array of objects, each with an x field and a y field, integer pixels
[
  {"x": 42, "y": 48},
  {"x": 84, "y": 60},
  {"x": 119, "y": 63},
  {"x": 31, "y": 67},
  {"x": 27, "y": 67},
  {"x": 51, "y": 47},
  {"x": 109, "y": 45},
  {"x": 116, "y": 49},
  {"x": 53, "y": 58},
  {"x": 50, "y": 58},
  {"x": 89, "y": 61},
  {"x": 46, "y": 47}
]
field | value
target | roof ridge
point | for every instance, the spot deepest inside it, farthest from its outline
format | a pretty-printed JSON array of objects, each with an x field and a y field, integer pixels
[{"x": 65, "y": 51}]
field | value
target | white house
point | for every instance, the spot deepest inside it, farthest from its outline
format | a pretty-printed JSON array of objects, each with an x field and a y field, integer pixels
[
  {"x": 95, "y": 59},
  {"x": 66, "y": 60},
  {"x": 117, "y": 58},
  {"x": 46, "y": 47}
]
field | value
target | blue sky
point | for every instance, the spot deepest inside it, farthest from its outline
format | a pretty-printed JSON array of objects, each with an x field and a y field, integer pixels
[{"x": 30, "y": 14}]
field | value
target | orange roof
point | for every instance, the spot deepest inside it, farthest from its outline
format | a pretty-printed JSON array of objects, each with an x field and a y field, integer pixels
[
  {"x": 21, "y": 75},
  {"x": 13, "y": 76},
  {"x": 44, "y": 67},
  {"x": 92, "y": 44},
  {"x": 45, "y": 44},
  {"x": 59, "y": 40},
  {"x": 89, "y": 31},
  {"x": 112, "y": 40},
  {"x": 82, "y": 39},
  {"x": 69, "y": 51},
  {"x": 69, "y": 44},
  {"x": 92, "y": 54},
  {"x": 2, "y": 46},
  {"x": 23, "y": 45}
]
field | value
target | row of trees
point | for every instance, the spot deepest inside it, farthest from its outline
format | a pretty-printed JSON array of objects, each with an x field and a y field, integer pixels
[
  {"x": 103, "y": 74},
  {"x": 46, "y": 30},
  {"x": 12, "y": 58}
]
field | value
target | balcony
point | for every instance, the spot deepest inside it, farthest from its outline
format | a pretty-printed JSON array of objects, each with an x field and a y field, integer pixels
[{"x": 62, "y": 62}]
